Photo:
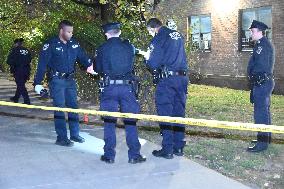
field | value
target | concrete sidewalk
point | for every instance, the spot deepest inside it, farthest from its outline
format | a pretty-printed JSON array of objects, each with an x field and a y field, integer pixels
[{"x": 29, "y": 159}]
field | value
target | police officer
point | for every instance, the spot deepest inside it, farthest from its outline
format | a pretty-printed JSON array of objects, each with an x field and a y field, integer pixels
[
  {"x": 19, "y": 61},
  {"x": 166, "y": 58},
  {"x": 58, "y": 57},
  {"x": 260, "y": 73},
  {"x": 114, "y": 63}
]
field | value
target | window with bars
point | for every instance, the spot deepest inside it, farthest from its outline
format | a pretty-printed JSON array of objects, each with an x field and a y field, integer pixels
[
  {"x": 200, "y": 32},
  {"x": 263, "y": 14}
]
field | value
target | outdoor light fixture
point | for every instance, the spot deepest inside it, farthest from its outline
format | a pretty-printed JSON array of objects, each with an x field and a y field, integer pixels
[{"x": 224, "y": 6}]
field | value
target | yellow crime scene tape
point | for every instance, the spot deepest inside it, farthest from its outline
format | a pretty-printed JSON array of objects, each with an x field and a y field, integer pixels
[{"x": 187, "y": 121}]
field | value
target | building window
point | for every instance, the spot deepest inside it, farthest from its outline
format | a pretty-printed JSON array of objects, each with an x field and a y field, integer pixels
[
  {"x": 200, "y": 32},
  {"x": 263, "y": 14}
]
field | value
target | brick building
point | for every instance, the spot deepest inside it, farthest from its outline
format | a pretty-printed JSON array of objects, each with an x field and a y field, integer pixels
[{"x": 218, "y": 30}]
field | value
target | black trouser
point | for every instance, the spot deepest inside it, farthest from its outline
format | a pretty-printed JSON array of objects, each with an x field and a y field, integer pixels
[
  {"x": 261, "y": 97},
  {"x": 21, "y": 77}
]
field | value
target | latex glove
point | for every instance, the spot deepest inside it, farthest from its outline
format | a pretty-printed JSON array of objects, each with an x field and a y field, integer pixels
[
  {"x": 38, "y": 89},
  {"x": 90, "y": 70},
  {"x": 146, "y": 54}
]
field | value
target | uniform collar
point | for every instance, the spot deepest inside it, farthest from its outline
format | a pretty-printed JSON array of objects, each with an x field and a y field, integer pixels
[
  {"x": 60, "y": 41},
  {"x": 114, "y": 39},
  {"x": 261, "y": 40},
  {"x": 162, "y": 29}
]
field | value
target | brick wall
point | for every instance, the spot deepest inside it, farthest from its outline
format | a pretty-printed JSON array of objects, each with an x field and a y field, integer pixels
[{"x": 225, "y": 60}]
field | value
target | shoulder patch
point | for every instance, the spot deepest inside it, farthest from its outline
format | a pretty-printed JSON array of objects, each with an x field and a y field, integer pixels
[
  {"x": 259, "y": 49},
  {"x": 45, "y": 47},
  {"x": 175, "y": 35},
  {"x": 24, "y": 52}
]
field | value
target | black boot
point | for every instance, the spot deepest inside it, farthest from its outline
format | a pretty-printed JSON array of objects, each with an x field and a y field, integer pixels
[
  {"x": 107, "y": 160},
  {"x": 64, "y": 142},
  {"x": 258, "y": 147},
  {"x": 178, "y": 152},
  {"x": 161, "y": 153},
  {"x": 13, "y": 99},
  {"x": 77, "y": 139},
  {"x": 139, "y": 159}
]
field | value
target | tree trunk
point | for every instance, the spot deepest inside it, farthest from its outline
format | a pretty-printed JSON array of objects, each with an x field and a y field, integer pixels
[{"x": 107, "y": 13}]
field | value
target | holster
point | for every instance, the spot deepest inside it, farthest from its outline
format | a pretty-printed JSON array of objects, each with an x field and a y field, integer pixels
[
  {"x": 104, "y": 82},
  {"x": 159, "y": 74},
  {"x": 259, "y": 79}
]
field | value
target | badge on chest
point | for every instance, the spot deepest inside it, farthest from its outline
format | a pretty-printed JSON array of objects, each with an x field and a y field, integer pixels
[
  {"x": 60, "y": 49},
  {"x": 75, "y": 46}
]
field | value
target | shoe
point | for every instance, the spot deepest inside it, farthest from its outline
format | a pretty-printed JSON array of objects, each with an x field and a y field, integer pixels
[
  {"x": 28, "y": 103},
  {"x": 64, "y": 142},
  {"x": 258, "y": 147},
  {"x": 77, "y": 139},
  {"x": 107, "y": 160},
  {"x": 139, "y": 159},
  {"x": 178, "y": 152},
  {"x": 253, "y": 141},
  {"x": 161, "y": 153},
  {"x": 14, "y": 100}
]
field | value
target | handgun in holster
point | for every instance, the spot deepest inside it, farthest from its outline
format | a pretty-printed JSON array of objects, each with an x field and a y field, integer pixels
[
  {"x": 159, "y": 74},
  {"x": 259, "y": 79},
  {"x": 104, "y": 82}
]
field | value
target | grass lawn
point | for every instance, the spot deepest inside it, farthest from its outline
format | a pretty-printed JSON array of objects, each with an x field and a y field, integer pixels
[
  {"x": 227, "y": 105},
  {"x": 228, "y": 155}
]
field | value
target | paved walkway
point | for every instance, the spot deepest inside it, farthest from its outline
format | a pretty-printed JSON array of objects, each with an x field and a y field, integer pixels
[{"x": 30, "y": 160}]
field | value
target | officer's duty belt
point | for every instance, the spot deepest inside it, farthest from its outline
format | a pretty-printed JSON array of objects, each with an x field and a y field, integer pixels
[
  {"x": 62, "y": 75},
  {"x": 120, "y": 82},
  {"x": 177, "y": 73},
  {"x": 259, "y": 79}
]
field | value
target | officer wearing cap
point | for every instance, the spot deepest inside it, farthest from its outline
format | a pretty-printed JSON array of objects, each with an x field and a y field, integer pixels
[
  {"x": 115, "y": 64},
  {"x": 58, "y": 57},
  {"x": 19, "y": 61},
  {"x": 166, "y": 58},
  {"x": 260, "y": 73}
]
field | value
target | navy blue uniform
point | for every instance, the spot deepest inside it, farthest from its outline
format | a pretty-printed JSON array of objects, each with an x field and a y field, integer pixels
[
  {"x": 19, "y": 61},
  {"x": 114, "y": 60},
  {"x": 58, "y": 59},
  {"x": 167, "y": 50},
  {"x": 260, "y": 63}
]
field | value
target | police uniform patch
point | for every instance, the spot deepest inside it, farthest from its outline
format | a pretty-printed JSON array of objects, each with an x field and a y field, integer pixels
[
  {"x": 175, "y": 35},
  {"x": 75, "y": 46},
  {"x": 24, "y": 52},
  {"x": 59, "y": 48},
  {"x": 259, "y": 49},
  {"x": 45, "y": 47}
]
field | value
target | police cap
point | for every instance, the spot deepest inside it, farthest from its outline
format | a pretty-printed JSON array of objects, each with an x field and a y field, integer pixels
[
  {"x": 111, "y": 26},
  {"x": 257, "y": 24}
]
